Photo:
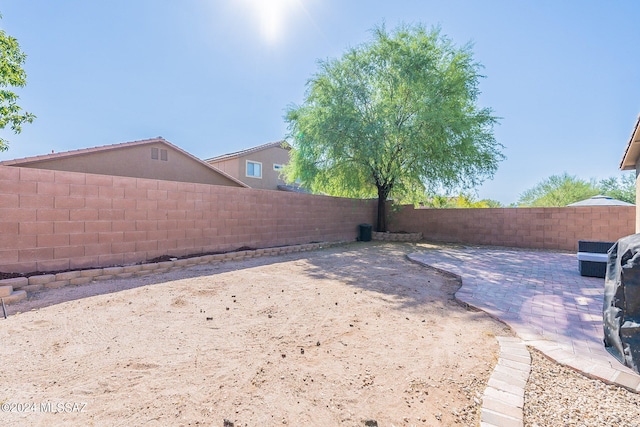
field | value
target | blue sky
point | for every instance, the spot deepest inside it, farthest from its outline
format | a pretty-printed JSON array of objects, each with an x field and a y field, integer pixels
[{"x": 215, "y": 76}]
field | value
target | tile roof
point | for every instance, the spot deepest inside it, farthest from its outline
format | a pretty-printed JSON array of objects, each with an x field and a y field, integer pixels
[
  {"x": 281, "y": 144},
  {"x": 84, "y": 151},
  {"x": 632, "y": 152}
]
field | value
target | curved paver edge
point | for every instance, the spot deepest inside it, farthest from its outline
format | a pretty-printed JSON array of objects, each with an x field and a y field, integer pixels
[{"x": 599, "y": 371}]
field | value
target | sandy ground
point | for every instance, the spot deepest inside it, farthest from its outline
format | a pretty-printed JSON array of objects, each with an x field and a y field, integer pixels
[{"x": 332, "y": 337}]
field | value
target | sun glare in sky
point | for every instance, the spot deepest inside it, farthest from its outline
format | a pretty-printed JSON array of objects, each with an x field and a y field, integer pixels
[{"x": 272, "y": 17}]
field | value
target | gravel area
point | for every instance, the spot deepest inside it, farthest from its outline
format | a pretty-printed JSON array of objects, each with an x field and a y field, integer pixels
[{"x": 558, "y": 396}]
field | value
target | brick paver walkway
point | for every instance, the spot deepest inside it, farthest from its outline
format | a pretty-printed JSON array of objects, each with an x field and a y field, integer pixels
[{"x": 543, "y": 298}]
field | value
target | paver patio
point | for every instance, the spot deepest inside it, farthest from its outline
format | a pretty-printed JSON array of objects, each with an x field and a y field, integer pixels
[{"x": 543, "y": 298}]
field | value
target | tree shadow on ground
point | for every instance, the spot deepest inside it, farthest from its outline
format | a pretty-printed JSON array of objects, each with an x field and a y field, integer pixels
[
  {"x": 377, "y": 267},
  {"x": 383, "y": 269}
]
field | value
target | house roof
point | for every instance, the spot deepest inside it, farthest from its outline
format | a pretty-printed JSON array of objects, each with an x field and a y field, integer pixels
[
  {"x": 601, "y": 200},
  {"x": 632, "y": 152},
  {"x": 84, "y": 151},
  {"x": 234, "y": 155}
]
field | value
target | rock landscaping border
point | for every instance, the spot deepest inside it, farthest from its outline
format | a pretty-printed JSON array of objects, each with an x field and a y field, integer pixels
[
  {"x": 23, "y": 285},
  {"x": 396, "y": 237}
]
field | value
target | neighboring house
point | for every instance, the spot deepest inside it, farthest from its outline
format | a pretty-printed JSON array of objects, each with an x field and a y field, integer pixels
[
  {"x": 258, "y": 167},
  {"x": 600, "y": 200},
  {"x": 150, "y": 158},
  {"x": 631, "y": 161}
]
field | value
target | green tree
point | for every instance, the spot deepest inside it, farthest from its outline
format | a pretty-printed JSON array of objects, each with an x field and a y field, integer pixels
[
  {"x": 393, "y": 117},
  {"x": 462, "y": 200},
  {"x": 561, "y": 190},
  {"x": 11, "y": 76},
  {"x": 621, "y": 188},
  {"x": 558, "y": 190},
  {"x": 490, "y": 203}
]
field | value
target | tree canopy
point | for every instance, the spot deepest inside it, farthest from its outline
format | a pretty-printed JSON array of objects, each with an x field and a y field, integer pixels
[
  {"x": 621, "y": 188},
  {"x": 564, "y": 189},
  {"x": 394, "y": 117},
  {"x": 12, "y": 75},
  {"x": 462, "y": 200}
]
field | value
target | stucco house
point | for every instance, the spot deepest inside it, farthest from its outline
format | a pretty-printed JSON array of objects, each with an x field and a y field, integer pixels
[
  {"x": 631, "y": 161},
  {"x": 154, "y": 158},
  {"x": 257, "y": 167}
]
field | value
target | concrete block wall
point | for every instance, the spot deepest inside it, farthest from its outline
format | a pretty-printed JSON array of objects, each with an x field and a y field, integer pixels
[
  {"x": 53, "y": 220},
  {"x": 540, "y": 228}
]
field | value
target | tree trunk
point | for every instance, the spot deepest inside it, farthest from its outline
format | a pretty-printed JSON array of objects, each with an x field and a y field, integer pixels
[{"x": 381, "y": 225}]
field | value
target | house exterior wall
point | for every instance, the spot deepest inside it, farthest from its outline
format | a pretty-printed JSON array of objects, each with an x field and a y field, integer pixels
[
  {"x": 229, "y": 166},
  {"x": 136, "y": 161},
  {"x": 539, "y": 228},
  {"x": 237, "y": 167},
  {"x": 57, "y": 220}
]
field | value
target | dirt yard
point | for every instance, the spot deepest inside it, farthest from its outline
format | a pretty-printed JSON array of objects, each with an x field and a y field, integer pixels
[{"x": 326, "y": 338}]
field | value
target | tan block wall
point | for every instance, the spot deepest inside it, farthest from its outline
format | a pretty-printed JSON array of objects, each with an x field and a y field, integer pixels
[
  {"x": 542, "y": 228},
  {"x": 56, "y": 220}
]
